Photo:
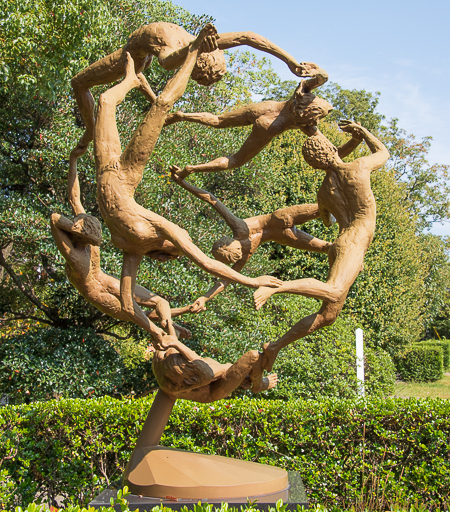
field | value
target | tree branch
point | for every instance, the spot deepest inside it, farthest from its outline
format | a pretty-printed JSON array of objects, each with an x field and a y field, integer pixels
[{"x": 29, "y": 294}]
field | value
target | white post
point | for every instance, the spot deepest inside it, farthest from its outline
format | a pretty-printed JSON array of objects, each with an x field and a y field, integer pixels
[{"x": 360, "y": 360}]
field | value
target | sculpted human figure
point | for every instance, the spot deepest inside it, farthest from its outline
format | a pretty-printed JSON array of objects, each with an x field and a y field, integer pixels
[
  {"x": 181, "y": 373},
  {"x": 268, "y": 119},
  {"x": 136, "y": 231},
  {"x": 346, "y": 194},
  {"x": 169, "y": 43},
  {"x": 78, "y": 241},
  {"x": 249, "y": 234}
]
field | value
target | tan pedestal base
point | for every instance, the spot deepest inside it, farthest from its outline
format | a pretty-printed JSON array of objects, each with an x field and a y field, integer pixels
[{"x": 162, "y": 472}]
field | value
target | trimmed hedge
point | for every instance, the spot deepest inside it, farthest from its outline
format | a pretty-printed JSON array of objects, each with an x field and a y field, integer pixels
[
  {"x": 421, "y": 363},
  {"x": 77, "y": 363},
  {"x": 373, "y": 451},
  {"x": 444, "y": 344}
]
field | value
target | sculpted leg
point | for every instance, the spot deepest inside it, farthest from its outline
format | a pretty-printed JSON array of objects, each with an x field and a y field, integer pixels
[
  {"x": 129, "y": 306},
  {"x": 234, "y": 376},
  {"x": 306, "y": 287},
  {"x": 105, "y": 71},
  {"x": 142, "y": 143},
  {"x": 107, "y": 146},
  {"x": 327, "y": 315}
]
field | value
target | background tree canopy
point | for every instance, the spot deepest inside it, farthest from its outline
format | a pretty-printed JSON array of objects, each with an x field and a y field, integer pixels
[{"x": 401, "y": 294}]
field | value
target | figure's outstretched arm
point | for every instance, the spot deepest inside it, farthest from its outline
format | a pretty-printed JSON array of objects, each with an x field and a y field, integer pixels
[
  {"x": 60, "y": 227},
  {"x": 180, "y": 238},
  {"x": 350, "y": 145},
  {"x": 73, "y": 185},
  {"x": 219, "y": 287},
  {"x": 379, "y": 155},
  {"x": 236, "y": 224},
  {"x": 243, "y": 116},
  {"x": 233, "y": 39}
]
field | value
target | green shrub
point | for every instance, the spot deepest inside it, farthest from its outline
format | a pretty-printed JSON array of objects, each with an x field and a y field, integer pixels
[
  {"x": 421, "y": 363},
  {"x": 320, "y": 365},
  {"x": 75, "y": 363},
  {"x": 346, "y": 450},
  {"x": 205, "y": 507},
  {"x": 444, "y": 344},
  {"x": 326, "y": 367}
]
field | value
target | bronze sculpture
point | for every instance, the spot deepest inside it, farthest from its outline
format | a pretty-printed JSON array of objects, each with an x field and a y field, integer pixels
[
  {"x": 268, "y": 119},
  {"x": 136, "y": 231},
  {"x": 181, "y": 373},
  {"x": 169, "y": 43},
  {"x": 249, "y": 234},
  {"x": 346, "y": 194},
  {"x": 78, "y": 241}
]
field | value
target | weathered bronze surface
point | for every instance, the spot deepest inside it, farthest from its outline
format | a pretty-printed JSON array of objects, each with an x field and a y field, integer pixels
[{"x": 345, "y": 196}]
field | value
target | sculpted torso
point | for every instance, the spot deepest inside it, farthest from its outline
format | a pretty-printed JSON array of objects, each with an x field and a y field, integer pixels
[
  {"x": 127, "y": 221},
  {"x": 347, "y": 194},
  {"x": 157, "y": 37},
  {"x": 100, "y": 289}
]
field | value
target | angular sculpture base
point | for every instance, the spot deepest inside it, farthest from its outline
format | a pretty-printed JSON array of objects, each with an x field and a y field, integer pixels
[
  {"x": 168, "y": 473},
  {"x": 295, "y": 496}
]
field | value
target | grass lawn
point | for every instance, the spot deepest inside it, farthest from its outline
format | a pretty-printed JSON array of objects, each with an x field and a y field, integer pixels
[{"x": 438, "y": 389}]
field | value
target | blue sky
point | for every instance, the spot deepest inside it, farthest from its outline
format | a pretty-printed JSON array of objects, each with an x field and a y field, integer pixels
[{"x": 399, "y": 48}]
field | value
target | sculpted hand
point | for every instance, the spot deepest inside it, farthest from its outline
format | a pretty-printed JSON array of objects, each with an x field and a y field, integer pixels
[
  {"x": 177, "y": 174},
  {"x": 165, "y": 341},
  {"x": 209, "y": 35},
  {"x": 355, "y": 129},
  {"x": 271, "y": 282},
  {"x": 209, "y": 44},
  {"x": 306, "y": 69},
  {"x": 199, "y": 305}
]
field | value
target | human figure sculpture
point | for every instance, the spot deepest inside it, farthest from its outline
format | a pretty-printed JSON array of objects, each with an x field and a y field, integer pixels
[
  {"x": 249, "y": 234},
  {"x": 78, "y": 241},
  {"x": 268, "y": 119},
  {"x": 136, "y": 231},
  {"x": 346, "y": 194},
  {"x": 169, "y": 43},
  {"x": 181, "y": 373}
]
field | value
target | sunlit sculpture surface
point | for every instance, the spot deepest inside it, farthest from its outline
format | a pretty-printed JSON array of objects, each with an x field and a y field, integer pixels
[{"x": 345, "y": 196}]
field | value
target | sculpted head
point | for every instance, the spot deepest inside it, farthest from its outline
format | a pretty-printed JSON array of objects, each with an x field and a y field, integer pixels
[
  {"x": 175, "y": 373},
  {"x": 87, "y": 229},
  {"x": 308, "y": 108},
  {"x": 210, "y": 68},
  {"x": 320, "y": 153},
  {"x": 227, "y": 250}
]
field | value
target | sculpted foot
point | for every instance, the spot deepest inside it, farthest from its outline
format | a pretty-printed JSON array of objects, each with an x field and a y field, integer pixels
[
  {"x": 130, "y": 74},
  {"x": 270, "y": 382},
  {"x": 261, "y": 296}
]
